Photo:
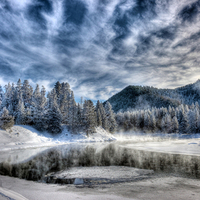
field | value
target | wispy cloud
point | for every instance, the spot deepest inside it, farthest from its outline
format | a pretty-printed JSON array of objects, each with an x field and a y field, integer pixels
[{"x": 100, "y": 47}]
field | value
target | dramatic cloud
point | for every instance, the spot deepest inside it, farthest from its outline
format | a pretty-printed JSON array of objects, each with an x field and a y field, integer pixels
[{"x": 100, "y": 46}]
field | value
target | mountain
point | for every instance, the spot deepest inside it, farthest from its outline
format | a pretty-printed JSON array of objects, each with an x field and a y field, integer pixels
[{"x": 143, "y": 97}]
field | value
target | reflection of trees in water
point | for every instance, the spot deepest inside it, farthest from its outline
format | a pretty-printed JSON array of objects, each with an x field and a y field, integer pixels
[{"x": 57, "y": 159}]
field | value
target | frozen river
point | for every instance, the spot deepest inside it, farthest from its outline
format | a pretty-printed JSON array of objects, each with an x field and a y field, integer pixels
[
  {"x": 158, "y": 154},
  {"x": 128, "y": 168},
  {"x": 184, "y": 147}
]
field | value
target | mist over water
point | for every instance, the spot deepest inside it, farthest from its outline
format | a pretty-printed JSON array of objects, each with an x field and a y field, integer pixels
[{"x": 125, "y": 152}]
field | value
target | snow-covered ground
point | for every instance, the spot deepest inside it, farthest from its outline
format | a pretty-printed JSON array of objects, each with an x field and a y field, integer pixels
[
  {"x": 14, "y": 145},
  {"x": 162, "y": 187},
  {"x": 20, "y": 137},
  {"x": 186, "y": 147},
  {"x": 166, "y": 143}
]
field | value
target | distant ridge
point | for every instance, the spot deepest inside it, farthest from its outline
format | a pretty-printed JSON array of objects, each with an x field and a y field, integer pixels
[{"x": 143, "y": 97}]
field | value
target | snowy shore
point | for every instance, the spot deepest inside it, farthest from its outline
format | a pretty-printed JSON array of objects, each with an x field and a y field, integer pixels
[
  {"x": 97, "y": 182},
  {"x": 160, "y": 187},
  {"x": 22, "y": 137}
]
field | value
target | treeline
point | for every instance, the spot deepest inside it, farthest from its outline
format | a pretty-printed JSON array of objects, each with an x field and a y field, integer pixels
[
  {"x": 183, "y": 119},
  {"x": 20, "y": 104}
]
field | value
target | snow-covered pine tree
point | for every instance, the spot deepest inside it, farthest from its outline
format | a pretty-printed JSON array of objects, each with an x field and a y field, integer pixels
[
  {"x": 66, "y": 100},
  {"x": 39, "y": 120},
  {"x": 43, "y": 100},
  {"x": 29, "y": 116},
  {"x": 102, "y": 117},
  {"x": 79, "y": 118},
  {"x": 54, "y": 119},
  {"x": 99, "y": 119},
  {"x": 20, "y": 112},
  {"x": 53, "y": 116},
  {"x": 175, "y": 125},
  {"x": 72, "y": 114},
  {"x": 89, "y": 117},
  {"x": 6, "y": 120},
  {"x": 98, "y": 109},
  {"x": 168, "y": 124},
  {"x": 66, "y": 116},
  {"x": 63, "y": 103},
  {"x": 16, "y": 96},
  {"x": 19, "y": 85},
  {"x": 1, "y": 95},
  {"x": 52, "y": 98},
  {"x": 36, "y": 98},
  {"x": 119, "y": 117},
  {"x": 183, "y": 126},
  {"x": 147, "y": 120},
  {"x": 152, "y": 124},
  {"x": 193, "y": 116},
  {"x": 112, "y": 125},
  {"x": 27, "y": 92},
  {"x": 132, "y": 120},
  {"x": 7, "y": 97},
  {"x": 39, "y": 109},
  {"x": 58, "y": 88},
  {"x": 126, "y": 121}
]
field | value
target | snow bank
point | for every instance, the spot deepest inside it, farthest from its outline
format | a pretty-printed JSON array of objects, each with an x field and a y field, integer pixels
[
  {"x": 9, "y": 194},
  {"x": 22, "y": 136}
]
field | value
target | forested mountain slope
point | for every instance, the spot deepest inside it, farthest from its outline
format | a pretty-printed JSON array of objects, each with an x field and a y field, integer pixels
[{"x": 143, "y": 97}]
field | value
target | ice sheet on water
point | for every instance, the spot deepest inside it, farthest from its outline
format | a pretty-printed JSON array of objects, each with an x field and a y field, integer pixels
[{"x": 106, "y": 172}]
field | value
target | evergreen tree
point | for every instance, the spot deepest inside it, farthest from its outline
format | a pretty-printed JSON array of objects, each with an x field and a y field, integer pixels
[
  {"x": 112, "y": 125},
  {"x": 7, "y": 97},
  {"x": 175, "y": 125},
  {"x": 52, "y": 96},
  {"x": 152, "y": 124},
  {"x": 89, "y": 117},
  {"x": 6, "y": 120},
  {"x": 19, "y": 85},
  {"x": 99, "y": 118},
  {"x": 79, "y": 119},
  {"x": 36, "y": 96},
  {"x": 183, "y": 126},
  {"x": 29, "y": 116},
  {"x": 98, "y": 109},
  {"x": 20, "y": 112},
  {"x": 193, "y": 116},
  {"x": 102, "y": 118},
  {"x": 72, "y": 114},
  {"x": 1, "y": 95},
  {"x": 39, "y": 120},
  {"x": 168, "y": 124},
  {"x": 147, "y": 120},
  {"x": 43, "y": 99},
  {"x": 54, "y": 120},
  {"x": 27, "y": 92},
  {"x": 58, "y": 89}
]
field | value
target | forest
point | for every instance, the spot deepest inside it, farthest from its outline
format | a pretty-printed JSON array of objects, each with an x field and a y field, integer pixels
[
  {"x": 21, "y": 104},
  {"x": 183, "y": 119}
]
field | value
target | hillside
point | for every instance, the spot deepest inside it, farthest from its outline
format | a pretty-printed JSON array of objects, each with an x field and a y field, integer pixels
[
  {"x": 24, "y": 136},
  {"x": 143, "y": 97}
]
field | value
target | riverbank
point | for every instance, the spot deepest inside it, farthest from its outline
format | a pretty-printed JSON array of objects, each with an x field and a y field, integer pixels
[{"x": 160, "y": 186}]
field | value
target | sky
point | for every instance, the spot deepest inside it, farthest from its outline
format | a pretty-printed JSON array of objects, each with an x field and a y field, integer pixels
[{"x": 100, "y": 46}]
